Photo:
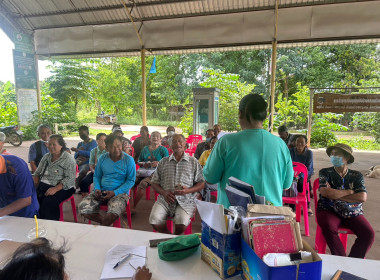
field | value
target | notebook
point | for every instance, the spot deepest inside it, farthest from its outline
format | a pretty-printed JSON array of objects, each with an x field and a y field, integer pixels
[
  {"x": 238, "y": 198},
  {"x": 273, "y": 237},
  {"x": 243, "y": 186}
]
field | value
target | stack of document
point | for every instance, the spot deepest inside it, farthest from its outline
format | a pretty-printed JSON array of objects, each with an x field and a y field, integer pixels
[
  {"x": 240, "y": 193},
  {"x": 272, "y": 234}
]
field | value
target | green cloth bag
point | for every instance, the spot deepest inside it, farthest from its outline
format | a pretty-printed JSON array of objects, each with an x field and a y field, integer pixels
[{"x": 178, "y": 248}]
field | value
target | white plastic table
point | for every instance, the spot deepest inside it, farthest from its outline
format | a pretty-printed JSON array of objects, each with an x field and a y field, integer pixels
[{"x": 88, "y": 245}]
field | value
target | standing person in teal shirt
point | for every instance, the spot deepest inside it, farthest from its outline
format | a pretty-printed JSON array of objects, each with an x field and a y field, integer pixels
[{"x": 253, "y": 155}]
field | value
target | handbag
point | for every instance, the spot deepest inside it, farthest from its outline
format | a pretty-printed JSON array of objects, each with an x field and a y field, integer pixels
[
  {"x": 178, "y": 248},
  {"x": 347, "y": 209}
]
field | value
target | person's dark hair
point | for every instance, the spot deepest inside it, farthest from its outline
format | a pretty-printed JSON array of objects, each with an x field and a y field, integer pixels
[
  {"x": 145, "y": 128},
  {"x": 111, "y": 138},
  {"x": 60, "y": 141},
  {"x": 282, "y": 128},
  {"x": 36, "y": 260},
  {"x": 115, "y": 125},
  {"x": 170, "y": 128},
  {"x": 83, "y": 128},
  {"x": 253, "y": 107},
  {"x": 100, "y": 135},
  {"x": 214, "y": 137},
  {"x": 295, "y": 137},
  {"x": 210, "y": 129},
  {"x": 42, "y": 126}
]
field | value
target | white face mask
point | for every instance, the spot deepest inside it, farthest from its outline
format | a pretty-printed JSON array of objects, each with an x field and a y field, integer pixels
[{"x": 171, "y": 133}]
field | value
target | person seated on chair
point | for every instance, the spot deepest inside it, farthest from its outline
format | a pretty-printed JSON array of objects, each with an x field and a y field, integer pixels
[
  {"x": 114, "y": 176},
  {"x": 38, "y": 259},
  {"x": 38, "y": 149},
  {"x": 54, "y": 178},
  {"x": 149, "y": 157},
  {"x": 217, "y": 129},
  {"x": 178, "y": 179},
  {"x": 342, "y": 193},
  {"x": 2, "y": 141},
  {"x": 167, "y": 140},
  {"x": 94, "y": 155},
  {"x": 82, "y": 153},
  {"x": 202, "y": 161},
  {"x": 125, "y": 142},
  {"x": 17, "y": 191},
  {"x": 204, "y": 146},
  {"x": 300, "y": 153},
  {"x": 285, "y": 135},
  {"x": 141, "y": 141}
]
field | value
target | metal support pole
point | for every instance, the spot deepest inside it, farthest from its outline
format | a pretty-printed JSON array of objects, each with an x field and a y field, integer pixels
[
  {"x": 273, "y": 70},
  {"x": 310, "y": 117},
  {"x": 143, "y": 86},
  {"x": 273, "y": 83}
]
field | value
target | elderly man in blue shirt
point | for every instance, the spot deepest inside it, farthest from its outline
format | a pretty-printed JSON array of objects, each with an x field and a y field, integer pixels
[{"x": 114, "y": 176}]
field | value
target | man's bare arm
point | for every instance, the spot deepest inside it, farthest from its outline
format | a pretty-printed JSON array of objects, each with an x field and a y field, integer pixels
[{"x": 15, "y": 206}]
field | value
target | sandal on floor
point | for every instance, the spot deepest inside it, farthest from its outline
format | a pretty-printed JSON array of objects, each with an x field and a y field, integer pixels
[{"x": 310, "y": 212}]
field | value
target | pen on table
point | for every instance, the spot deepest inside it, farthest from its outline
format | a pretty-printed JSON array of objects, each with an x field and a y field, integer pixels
[{"x": 121, "y": 261}]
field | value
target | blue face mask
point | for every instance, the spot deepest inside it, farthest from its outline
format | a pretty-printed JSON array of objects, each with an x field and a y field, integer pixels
[
  {"x": 336, "y": 161},
  {"x": 208, "y": 139}
]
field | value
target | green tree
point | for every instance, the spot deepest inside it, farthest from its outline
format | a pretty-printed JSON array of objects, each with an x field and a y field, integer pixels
[
  {"x": 69, "y": 83},
  {"x": 8, "y": 106},
  {"x": 232, "y": 90}
]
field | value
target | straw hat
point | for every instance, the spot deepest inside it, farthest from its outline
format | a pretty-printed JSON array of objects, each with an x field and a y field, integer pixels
[{"x": 343, "y": 147}]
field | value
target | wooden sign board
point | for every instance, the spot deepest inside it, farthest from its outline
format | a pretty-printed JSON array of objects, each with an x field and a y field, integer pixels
[{"x": 339, "y": 103}]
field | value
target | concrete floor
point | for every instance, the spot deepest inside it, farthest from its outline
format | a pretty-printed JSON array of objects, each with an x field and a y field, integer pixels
[{"x": 363, "y": 160}]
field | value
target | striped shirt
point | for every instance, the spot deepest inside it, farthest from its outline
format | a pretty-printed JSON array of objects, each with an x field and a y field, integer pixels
[
  {"x": 60, "y": 171},
  {"x": 186, "y": 172}
]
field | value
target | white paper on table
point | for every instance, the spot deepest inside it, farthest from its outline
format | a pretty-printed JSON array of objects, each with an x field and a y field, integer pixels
[
  {"x": 125, "y": 269},
  {"x": 213, "y": 215}
]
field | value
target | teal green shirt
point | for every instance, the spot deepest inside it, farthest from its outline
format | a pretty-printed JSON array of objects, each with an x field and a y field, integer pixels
[
  {"x": 155, "y": 155},
  {"x": 254, "y": 156}
]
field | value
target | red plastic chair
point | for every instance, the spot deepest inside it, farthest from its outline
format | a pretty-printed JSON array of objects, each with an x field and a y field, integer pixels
[
  {"x": 169, "y": 150},
  {"x": 215, "y": 194},
  {"x": 133, "y": 138},
  {"x": 73, "y": 207},
  {"x": 193, "y": 140},
  {"x": 117, "y": 222},
  {"x": 320, "y": 241},
  {"x": 301, "y": 199}
]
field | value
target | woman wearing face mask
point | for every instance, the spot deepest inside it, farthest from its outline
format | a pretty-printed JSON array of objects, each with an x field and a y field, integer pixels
[
  {"x": 342, "y": 192},
  {"x": 167, "y": 140}
]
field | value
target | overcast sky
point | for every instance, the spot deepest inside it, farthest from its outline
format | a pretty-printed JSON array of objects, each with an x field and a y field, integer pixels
[{"x": 6, "y": 61}]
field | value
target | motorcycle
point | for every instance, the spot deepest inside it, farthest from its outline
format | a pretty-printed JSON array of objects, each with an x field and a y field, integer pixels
[{"x": 12, "y": 135}]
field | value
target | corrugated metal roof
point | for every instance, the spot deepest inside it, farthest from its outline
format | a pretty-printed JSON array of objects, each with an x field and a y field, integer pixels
[
  {"x": 185, "y": 26},
  {"x": 43, "y": 14}
]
